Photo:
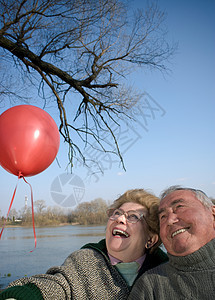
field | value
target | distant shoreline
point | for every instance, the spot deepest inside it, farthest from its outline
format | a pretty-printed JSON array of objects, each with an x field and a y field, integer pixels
[{"x": 40, "y": 226}]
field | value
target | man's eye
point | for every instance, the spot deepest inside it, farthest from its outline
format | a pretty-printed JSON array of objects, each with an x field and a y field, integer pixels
[
  {"x": 179, "y": 206},
  {"x": 162, "y": 217}
]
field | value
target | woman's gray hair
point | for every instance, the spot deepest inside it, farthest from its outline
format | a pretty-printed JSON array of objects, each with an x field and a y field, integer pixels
[{"x": 200, "y": 195}]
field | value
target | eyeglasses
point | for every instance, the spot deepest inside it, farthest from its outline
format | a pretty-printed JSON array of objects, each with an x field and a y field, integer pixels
[{"x": 132, "y": 216}]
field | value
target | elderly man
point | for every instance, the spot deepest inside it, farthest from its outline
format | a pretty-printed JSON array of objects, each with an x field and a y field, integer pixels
[{"x": 187, "y": 230}]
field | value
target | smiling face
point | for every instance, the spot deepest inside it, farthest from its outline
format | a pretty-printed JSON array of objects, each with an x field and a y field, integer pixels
[
  {"x": 185, "y": 223},
  {"x": 126, "y": 241}
]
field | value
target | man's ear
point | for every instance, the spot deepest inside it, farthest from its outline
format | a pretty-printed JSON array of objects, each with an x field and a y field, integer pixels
[{"x": 152, "y": 240}]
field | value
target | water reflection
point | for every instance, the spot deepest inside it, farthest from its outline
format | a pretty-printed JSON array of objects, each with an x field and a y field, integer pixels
[
  {"x": 53, "y": 236},
  {"x": 53, "y": 246}
]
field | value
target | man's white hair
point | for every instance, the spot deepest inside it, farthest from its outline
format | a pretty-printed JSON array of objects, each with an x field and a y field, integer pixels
[{"x": 200, "y": 195}]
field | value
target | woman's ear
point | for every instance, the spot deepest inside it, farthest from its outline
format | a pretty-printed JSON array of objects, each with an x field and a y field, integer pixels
[
  {"x": 213, "y": 213},
  {"x": 152, "y": 240}
]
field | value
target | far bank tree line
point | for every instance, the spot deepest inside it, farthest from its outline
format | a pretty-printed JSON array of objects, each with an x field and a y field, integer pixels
[{"x": 86, "y": 213}]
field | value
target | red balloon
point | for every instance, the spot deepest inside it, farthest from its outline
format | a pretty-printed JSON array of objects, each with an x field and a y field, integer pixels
[{"x": 29, "y": 140}]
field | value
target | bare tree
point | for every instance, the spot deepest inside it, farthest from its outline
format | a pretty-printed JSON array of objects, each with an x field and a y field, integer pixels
[
  {"x": 77, "y": 53},
  {"x": 93, "y": 212},
  {"x": 13, "y": 214},
  {"x": 26, "y": 215},
  {"x": 40, "y": 206}
]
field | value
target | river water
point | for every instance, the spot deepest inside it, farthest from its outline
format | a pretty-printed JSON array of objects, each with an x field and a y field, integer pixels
[{"x": 54, "y": 244}]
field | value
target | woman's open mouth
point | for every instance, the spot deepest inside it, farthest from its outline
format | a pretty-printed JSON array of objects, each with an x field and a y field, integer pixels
[{"x": 119, "y": 232}]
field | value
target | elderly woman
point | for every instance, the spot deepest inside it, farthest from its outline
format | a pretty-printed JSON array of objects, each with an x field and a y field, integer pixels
[{"x": 108, "y": 269}]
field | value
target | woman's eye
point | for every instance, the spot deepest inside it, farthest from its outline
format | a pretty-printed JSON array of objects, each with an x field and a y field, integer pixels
[
  {"x": 116, "y": 213},
  {"x": 134, "y": 217}
]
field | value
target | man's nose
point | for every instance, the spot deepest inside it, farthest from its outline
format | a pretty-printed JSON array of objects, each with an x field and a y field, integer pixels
[{"x": 172, "y": 218}]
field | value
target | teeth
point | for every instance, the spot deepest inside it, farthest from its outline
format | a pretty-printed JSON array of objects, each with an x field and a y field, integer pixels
[
  {"x": 178, "y": 231},
  {"x": 120, "y": 232}
]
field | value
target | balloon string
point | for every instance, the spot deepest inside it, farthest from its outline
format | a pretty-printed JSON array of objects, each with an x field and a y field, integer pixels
[
  {"x": 11, "y": 202},
  {"x": 32, "y": 208}
]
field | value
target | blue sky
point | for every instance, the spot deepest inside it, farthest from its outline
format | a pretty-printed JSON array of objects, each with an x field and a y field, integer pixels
[{"x": 179, "y": 144}]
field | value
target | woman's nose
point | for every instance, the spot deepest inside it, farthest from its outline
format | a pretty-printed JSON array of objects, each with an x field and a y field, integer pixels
[{"x": 121, "y": 219}]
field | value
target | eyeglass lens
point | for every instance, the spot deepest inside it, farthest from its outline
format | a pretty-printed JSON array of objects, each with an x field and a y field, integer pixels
[{"x": 131, "y": 216}]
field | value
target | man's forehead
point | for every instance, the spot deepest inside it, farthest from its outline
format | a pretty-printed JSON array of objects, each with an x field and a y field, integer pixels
[
  {"x": 170, "y": 203},
  {"x": 175, "y": 197}
]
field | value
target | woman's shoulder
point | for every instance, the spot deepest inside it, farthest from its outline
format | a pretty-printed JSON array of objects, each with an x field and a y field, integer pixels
[{"x": 88, "y": 251}]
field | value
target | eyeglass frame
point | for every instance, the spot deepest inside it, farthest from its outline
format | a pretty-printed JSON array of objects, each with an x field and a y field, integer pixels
[{"x": 125, "y": 213}]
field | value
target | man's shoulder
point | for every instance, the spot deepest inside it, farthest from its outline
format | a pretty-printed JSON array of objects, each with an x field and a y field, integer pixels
[{"x": 161, "y": 269}]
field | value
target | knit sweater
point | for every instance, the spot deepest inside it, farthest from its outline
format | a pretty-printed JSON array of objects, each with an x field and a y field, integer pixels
[
  {"x": 85, "y": 274},
  {"x": 183, "y": 277}
]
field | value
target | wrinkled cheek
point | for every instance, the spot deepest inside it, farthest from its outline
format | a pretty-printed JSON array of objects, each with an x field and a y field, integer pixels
[
  {"x": 167, "y": 242},
  {"x": 140, "y": 249},
  {"x": 108, "y": 231},
  {"x": 162, "y": 235}
]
